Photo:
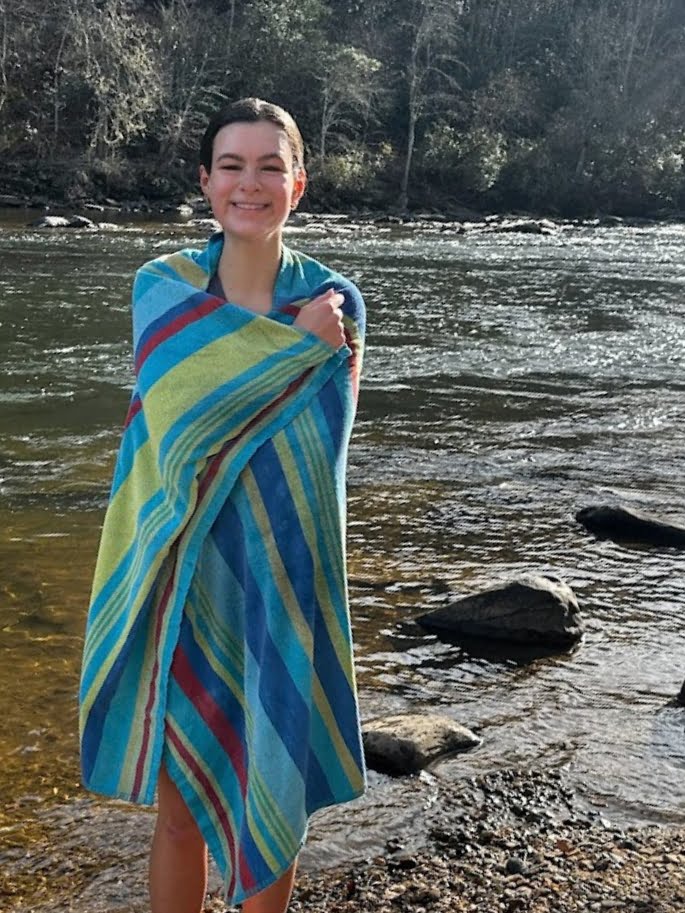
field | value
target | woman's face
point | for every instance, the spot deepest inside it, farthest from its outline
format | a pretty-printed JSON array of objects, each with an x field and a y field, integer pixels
[{"x": 253, "y": 184}]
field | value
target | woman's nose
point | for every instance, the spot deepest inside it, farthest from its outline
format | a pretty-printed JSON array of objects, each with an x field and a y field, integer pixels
[{"x": 249, "y": 178}]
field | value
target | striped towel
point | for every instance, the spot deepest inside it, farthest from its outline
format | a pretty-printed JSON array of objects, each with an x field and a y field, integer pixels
[{"x": 218, "y": 637}]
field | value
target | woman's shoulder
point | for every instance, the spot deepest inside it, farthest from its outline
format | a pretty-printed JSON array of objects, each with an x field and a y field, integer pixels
[
  {"x": 311, "y": 277},
  {"x": 192, "y": 264}
]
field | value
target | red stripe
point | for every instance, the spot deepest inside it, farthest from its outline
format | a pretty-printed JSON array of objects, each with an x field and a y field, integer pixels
[
  {"x": 210, "y": 792},
  {"x": 151, "y": 693},
  {"x": 211, "y": 469},
  {"x": 216, "y": 720},
  {"x": 289, "y": 390},
  {"x": 353, "y": 364},
  {"x": 133, "y": 410},
  {"x": 291, "y": 309},
  {"x": 214, "y": 463},
  {"x": 209, "y": 305}
]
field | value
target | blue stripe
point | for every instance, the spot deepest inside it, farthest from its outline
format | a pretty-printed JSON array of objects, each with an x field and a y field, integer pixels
[
  {"x": 231, "y": 709},
  {"x": 94, "y": 724},
  {"x": 294, "y": 551},
  {"x": 278, "y": 703},
  {"x": 136, "y": 435}
]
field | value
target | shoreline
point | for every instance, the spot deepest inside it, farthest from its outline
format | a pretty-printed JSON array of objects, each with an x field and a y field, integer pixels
[
  {"x": 194, "y": 208},
  {"x": 510, "y": 840}
]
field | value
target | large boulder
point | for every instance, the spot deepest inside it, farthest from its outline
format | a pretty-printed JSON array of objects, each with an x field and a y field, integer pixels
[
  {"x": 623, "y": 524},
  {"x": 532, "y": 610},
  {"x": 405, "y": 743}
]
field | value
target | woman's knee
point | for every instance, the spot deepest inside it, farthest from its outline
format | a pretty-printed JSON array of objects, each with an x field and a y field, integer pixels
[{"x": 174, "y": 819}]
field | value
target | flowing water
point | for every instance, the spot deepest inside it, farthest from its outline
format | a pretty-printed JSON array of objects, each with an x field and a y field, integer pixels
[{"x": 509, "y": 380}]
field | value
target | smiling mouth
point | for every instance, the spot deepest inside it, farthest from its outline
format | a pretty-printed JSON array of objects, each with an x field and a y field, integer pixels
[{"x": 251, "y": 207}]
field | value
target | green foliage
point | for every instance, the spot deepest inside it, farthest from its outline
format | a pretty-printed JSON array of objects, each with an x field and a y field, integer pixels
[
  {"x": 471, "y": 161},
  {"x": 345, "y": 178}
]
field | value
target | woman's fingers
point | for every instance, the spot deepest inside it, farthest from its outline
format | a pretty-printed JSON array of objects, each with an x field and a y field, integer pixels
[
  {"x": 330, "y": 296},
  {"x": 323, "y": 317}
]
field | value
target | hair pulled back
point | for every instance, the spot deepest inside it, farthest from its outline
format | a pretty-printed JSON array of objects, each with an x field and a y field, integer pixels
[{"x": 251, "y": 111}]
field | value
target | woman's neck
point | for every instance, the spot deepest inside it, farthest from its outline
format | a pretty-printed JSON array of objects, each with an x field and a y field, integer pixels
[{"x": 248, "y": 272}]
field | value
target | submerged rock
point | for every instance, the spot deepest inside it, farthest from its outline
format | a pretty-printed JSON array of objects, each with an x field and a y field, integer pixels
[
  {"x": 9, "y": 199},
  {"x": 405, "y": 743},
  {"x": 527, "y": 227},
  {"x": 205, "y": 224},
  {"x": 64, "y": 222},
  {"x": 51, "y": 222},
  {"x": 81, "y": 222},
  {"x": 531, "y": 610},
  {"x": 625, "y": 525}
]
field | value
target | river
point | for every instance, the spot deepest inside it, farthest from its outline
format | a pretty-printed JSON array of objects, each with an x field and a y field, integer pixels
[{"x": 509, "y": 380}]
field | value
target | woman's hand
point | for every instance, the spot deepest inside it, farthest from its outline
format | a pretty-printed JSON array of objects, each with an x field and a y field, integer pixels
[{"x": 322, "y": 316}]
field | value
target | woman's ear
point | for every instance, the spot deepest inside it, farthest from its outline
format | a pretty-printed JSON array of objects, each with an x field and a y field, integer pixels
[
  {"x": 299, "y": 187},
  {"x": 204, "y": 179}
]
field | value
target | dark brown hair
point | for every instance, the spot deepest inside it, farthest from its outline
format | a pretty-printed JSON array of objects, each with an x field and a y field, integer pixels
[{"x": 251, "y": 111}]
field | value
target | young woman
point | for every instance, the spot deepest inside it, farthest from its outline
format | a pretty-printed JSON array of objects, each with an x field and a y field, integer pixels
[{"x": 217, "y": 666}]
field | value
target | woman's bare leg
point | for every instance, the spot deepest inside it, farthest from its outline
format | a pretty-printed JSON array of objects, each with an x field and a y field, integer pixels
[
  {"x": 275, "y": 898},
  {"x": 178, "y": 861}
]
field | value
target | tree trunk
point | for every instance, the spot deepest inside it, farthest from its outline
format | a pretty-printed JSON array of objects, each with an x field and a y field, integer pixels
[
  {"x": 411, "y": 139},
  {"x": 324, "y": 126},
  {"x": 57, "y": 81},
  {"x": 231, "y": 23}
]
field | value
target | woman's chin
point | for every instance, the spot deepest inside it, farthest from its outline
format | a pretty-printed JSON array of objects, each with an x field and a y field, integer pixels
[{"x": 252, "y": 234}]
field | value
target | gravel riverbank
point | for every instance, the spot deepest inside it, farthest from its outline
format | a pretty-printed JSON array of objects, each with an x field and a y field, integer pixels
[
  {"x": 522, "y": 846},
  {"x": 507, "y": 841}
]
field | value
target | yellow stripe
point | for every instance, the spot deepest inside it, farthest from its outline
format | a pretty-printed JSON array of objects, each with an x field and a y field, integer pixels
[
  {"x": 185, "y": 267},
  {"x": 328, "y": 509},
  {"x": 276, "y": 566},
  {"x": 299, "y": 495},
  {"x": 350, "y": 766},
  {"x": 124, "y": 508}
]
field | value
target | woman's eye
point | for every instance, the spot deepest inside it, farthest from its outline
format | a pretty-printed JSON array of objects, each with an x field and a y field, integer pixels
[
  {"x": 230, "y": 167},
  {"x": 272, "y": 168}
]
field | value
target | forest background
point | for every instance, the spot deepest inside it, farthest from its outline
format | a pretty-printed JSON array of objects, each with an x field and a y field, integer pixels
[{"x": 565, "y": 107}]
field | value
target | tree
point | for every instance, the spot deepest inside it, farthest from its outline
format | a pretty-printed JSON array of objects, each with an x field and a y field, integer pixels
[
  {"x": 348, "y": 87},
  {"x": 189, "y": 44},
  {"x": 113, "y": 54},
  {"x": 429, "y": 72}
]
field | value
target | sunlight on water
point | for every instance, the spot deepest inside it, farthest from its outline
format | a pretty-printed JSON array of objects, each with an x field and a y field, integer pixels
[{"x": 508, "y": 381}]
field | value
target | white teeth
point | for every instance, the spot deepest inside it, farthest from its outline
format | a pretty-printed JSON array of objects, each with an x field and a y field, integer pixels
[{"x": 250, "y": 205}]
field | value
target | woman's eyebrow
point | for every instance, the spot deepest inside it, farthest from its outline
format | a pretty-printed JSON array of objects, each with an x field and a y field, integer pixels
[{"x": 239, "y": 158}]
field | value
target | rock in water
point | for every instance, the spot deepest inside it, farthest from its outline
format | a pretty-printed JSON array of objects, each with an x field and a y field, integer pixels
[
  {"x": 63, "y": 222},
  {"x": 405, "y": 743},
  {"x": 624, "y": 525},
  {"x": 531, "y": 610},
  {"x": 82, "y": 222},
  {"x": 50, "y": 222},
  {"x": 681, "y": 696}
]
